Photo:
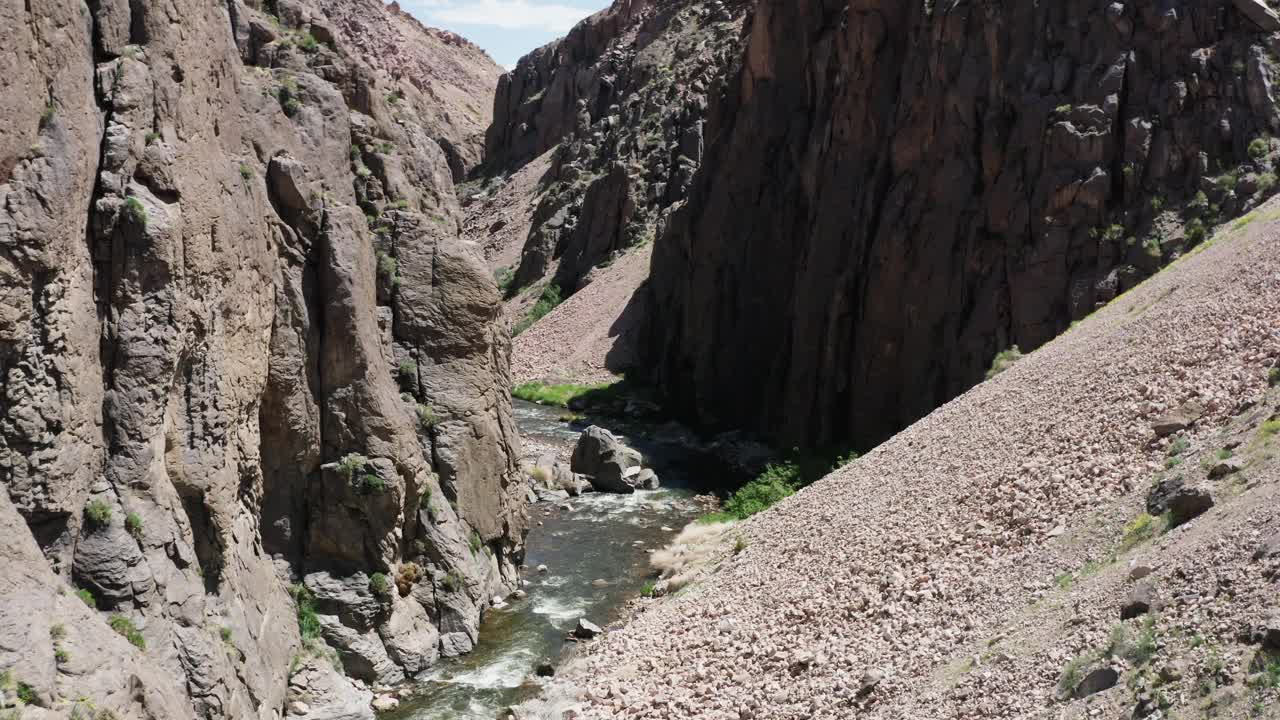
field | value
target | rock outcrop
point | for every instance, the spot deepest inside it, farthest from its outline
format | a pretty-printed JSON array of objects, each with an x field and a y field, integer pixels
[
  {"x": 254, "y": 385},
  {"x": 898, "y": 191},
  {"x": 621, "y": 103}
]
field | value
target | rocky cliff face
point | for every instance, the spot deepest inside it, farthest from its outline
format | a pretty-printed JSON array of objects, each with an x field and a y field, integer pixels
[
  {"x": 621, "y": 104},
  {"x": 900, "y": 190},
  {"x": 243, "y": 353}
]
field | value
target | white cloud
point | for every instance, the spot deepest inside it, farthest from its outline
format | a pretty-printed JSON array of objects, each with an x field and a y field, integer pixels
[{"x": 505, "y": 14}]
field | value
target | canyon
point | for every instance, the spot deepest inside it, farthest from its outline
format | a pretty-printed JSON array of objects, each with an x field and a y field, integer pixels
[{"x": 270, "y": 270}]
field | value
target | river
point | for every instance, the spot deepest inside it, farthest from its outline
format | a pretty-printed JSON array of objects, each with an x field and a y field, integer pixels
[{"x": 603, "y": 538}]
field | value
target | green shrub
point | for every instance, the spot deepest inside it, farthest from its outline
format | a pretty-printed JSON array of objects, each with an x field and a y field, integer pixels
[
  {"x": 135, "y": 211},
  {"x": 426, "y": 417},
  {"x": 1156, "y": 203},
  {"x": 1265, "y": 182},
  {"x": 1226, "y": 182},
  {"x": 739, "y": 544},
  {"x": 452, "y": 582},
  {"x": 370, "y": 484},
  {"x": 1063, "y": 110},
  {"x": 152, "y": 137},
  {"x": 26, "y": 694},
  {"x": 305, "y": 604},
  {"x": 1003, "y": 361},
  {"x": 387, "y": 265},
  {"x": 86, "y": 597},
  {"x": 307, "y": 42},
  {"x": 125, "y": 627},
  {"x": 1270, "y": 427},
  {"x": 400, "y": 204},
  {"x": 1141, "y": 529},
  {"x": 776, "y": 483},
  {"x": 395, "y": 96},
  {"x": 1259, "y": 148},
  {"x": 288, "y": 96},
  {"x": 548, "y": 301},
  {"x": 475, "y": 542},
  {"x": 504, "y": 277},
  {"x": 133, "y": 523},
  {"x": 407, "y": 371},
  {"x": 1178, "y": 445},
  {"x": 646, "y": 590},
  {"x": 61, "y": 656},
  {"x": 98, "y": 514},
  {"x": 1195, "y": 231},
  {"x": 379, "y": 586},
  {"x": 1273, "y": 377},
  {"x": 246, "y": 172},
  {"x": 47, "y": 115},
  {"x": 224, "y": 632},
  {"x": 57, "y": 631},
  {"x": 1073, "y": 673},
  {"x": 350, "y": 464},
  {"x": 541, "y": 474},
  {"x": 1199, "y": 204}
]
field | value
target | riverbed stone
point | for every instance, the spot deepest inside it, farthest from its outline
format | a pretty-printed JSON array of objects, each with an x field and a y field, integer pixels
[{"x": 586, "y": 630}]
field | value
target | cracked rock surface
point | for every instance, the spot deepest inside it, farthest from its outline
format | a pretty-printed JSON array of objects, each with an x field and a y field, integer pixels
[{"x": 249, "y": 370}]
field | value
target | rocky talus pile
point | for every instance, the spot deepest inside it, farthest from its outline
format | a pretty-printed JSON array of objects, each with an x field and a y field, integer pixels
[
  {"x": 1095, "y": 532},
  {"x": 255, "y": 429},
  {"x": 896, "y": 192}
]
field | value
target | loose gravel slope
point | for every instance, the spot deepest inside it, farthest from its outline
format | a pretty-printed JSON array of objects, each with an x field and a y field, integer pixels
[{"x": 972, "y": 557}]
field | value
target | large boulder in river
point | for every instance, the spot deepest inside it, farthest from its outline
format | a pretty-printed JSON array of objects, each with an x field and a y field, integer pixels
[{"x": 607, "y": 463}]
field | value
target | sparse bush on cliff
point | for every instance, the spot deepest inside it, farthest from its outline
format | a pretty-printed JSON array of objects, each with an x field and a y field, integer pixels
[
  {"x": 125, "y": 627},
  {"x": 133, "y": 523},
  {"x": 350, "y": 464},
  {"x": 305, "y": 604},
  {"x": 98, "y": 514},
  {"x": 379, "y": 586},
  {"x": 135, "y": 211},
  {"x": 426, "y": 417}
]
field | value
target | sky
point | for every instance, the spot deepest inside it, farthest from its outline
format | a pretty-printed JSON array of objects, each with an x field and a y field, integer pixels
[{"x": 506, "y": 29}]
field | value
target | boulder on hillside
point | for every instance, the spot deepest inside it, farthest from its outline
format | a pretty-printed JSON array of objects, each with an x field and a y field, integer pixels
[
  {"x": 1141, "y": 600},
  {"x": 1223, "y": 468},
  {"x": 1178, "y": 420},
  {"x": 1161, "y": 495},
  {"x": 1099, "y": 679},
  {"x": 1188, "y": 504}
]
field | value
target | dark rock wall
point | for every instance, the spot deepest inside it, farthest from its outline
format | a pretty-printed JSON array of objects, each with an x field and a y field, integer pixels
[
  {"x": 901, "y": 190},
  {"x": 230, "y": 261}
]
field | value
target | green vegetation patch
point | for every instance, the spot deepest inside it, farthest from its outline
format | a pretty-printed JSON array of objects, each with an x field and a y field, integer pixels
[
  {"x": 1003, "y": 361},
  {"x": 98, "y": 514},
  {"x": 308, "y": 620},
  {"x": 556, "y": 395},
  {"x": 125, "y": 627},
  {"x": 778, "y": 482},
  {"x": 548, "y": 301}
]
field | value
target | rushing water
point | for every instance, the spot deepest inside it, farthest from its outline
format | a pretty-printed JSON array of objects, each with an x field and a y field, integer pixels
[{"x": 597, "y": 558}]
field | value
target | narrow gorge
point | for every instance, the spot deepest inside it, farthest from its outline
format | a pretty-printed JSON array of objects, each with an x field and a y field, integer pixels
[{"x": 345, "y": 372}]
